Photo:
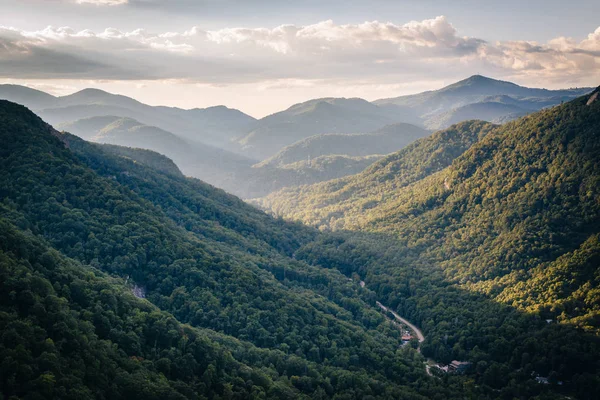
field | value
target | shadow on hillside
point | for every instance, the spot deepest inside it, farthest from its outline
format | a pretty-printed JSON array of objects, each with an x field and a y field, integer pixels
[{"x": 508, "y": 349}]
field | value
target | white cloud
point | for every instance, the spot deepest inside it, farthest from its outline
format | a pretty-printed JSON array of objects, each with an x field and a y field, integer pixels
[
  {"x": 381, "y": 53},
  {"x": 103, "y": 2}
]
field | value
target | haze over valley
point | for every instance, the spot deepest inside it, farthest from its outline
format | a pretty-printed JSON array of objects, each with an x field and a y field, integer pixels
[{"x": 250, "y": 200}]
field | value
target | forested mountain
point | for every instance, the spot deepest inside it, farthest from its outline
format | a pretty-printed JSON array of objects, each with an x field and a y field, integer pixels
[
  {"x": 241, "y": 305},
  {"x": 229, "y": 314},
  {"x": 382, "y": 141},
  {"x": 214, "y": 125},
  {"x": 322, "y": 204},
  {"x": 512, "y": 217},
  {"x": 438, "y": 109},
  {"x": 232, "y": 172},
  {"x": 211, "y": 164},
  {"x": 262, "y": 179},
  {"x": 477, "y": 97},
  {"x": 329, "y": 115}
]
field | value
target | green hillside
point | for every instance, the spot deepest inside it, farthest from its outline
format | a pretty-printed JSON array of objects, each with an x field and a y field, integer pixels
[
  {"x": 520, "y": 207},
  {"x": 240, "y": 305},
  {"x": 322, "y": 204},
  {"x": 514, "y": 219},
  {"x": 386, "y": 140},
  {"x": 211, "y": 164},
  {"x": 82, "y": 226}
]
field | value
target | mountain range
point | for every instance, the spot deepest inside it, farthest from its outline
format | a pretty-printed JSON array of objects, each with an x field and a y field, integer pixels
[
  {"x": 123, "y": 278},
  {"x": 329, "y": 115},
  {"x": 381, "y": 141},
  {"x": 213, "y": 125},
  {"x": 307, "y": 143},
  {"x": 212, "y": 164},
  {"x": 438, "y": 109}
]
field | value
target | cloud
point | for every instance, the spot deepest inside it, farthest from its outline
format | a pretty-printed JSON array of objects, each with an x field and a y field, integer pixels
[
  {"x": 103, "y": 2},
  {"x": 381, "y": 53}
]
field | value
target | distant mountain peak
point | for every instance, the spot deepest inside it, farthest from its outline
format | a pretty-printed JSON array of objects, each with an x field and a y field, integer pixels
[
  {"x": 479, "y": 81},
  {"x": 92, "y": 91}
]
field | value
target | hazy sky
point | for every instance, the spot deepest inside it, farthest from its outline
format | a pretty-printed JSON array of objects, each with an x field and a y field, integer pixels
[{"x": 263, "y": 55}]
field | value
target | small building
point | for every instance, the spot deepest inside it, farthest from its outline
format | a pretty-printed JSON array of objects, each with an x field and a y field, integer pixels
[
  {"x": 458, "y": 366},
  {"x": 542, "y": 379},
  {"x": 406, "y": 337}
]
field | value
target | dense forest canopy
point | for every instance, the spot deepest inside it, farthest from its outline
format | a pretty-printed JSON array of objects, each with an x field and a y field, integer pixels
[{"x": 478, "y": 234}]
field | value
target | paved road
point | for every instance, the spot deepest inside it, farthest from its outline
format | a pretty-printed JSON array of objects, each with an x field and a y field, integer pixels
[{"x": 416, "y": 330}]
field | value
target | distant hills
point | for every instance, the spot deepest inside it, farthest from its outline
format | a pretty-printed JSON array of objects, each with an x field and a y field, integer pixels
[
  {"x": 214, "y": 165},
  {"x": 329, "y": 115},
  {"x": 309, "y": 142},
  {"x": 381, "y": 141},
  {"x": 438, "y": 109},
  {"x": 213, "y": 125},
  {"x": 325, "y": 204}
]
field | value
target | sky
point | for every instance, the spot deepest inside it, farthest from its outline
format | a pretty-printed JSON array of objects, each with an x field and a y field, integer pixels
[{"x": 262, "y": 56}]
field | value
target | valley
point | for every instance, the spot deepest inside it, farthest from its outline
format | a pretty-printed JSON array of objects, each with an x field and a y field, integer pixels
[
  {"x": 445, "y": 254},
  {"x": 299, "y": 200}
]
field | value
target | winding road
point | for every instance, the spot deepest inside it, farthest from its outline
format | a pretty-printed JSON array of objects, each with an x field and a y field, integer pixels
[
  {"x": 420, "y": 337},
  {"x": 416, "y": 330}
]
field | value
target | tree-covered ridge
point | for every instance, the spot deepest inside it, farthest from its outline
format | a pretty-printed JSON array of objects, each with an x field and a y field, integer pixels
[
  {"x": 211, "y": 164},
  {"x": 207, "y": 259},
  {"x": 147, "y": 157},
  {"x": 386, "y": 140},
  {"x": 70, "y": 332},
  {"x": 270, "y": 293},
  {"x": 523, "y": 200},
  {"x": 322, "y": 204}
]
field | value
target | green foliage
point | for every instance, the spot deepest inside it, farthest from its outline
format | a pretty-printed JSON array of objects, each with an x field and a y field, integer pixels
[
  {"x": 323, "y": 204},
  {"x": 476, "y": 234},
  {"x": 481, "y": 248},
  {"x": 206, "y": 261}
]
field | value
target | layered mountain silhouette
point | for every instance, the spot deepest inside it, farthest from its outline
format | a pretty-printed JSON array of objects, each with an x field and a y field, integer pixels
[
  {"x": 213, "y": 125},
  {"x": 307, "y": 143},
  {"x": 382, "y": 141},
  {"x": 122, "y": 278},
  {"x": 214, "y": 165},
  {"x": 438, "y": 109},
  {"x": 330, "y": 115}
]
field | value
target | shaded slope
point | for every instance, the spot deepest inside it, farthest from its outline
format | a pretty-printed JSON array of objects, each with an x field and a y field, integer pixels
[
  {"x": 517, "y": 208},
  {"x": 208, "y": 259},
  {"x": 213, "y": 165},
  {"x": 383, "y": 141}
]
